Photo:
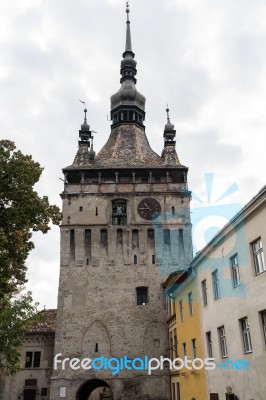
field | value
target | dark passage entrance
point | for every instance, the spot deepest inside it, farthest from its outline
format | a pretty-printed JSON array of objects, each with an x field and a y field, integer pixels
[
  {"x": 29, "y": 394},
  {"x": 94, "y": 389}
]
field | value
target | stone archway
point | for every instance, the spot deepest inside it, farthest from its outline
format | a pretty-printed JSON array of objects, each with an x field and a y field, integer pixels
[{"x": 94, "y": 389}]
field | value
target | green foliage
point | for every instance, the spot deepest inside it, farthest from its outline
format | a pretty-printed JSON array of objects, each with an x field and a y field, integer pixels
[
  {"x": 16, "y": 315},
  {"x": 22, "y": 211}
]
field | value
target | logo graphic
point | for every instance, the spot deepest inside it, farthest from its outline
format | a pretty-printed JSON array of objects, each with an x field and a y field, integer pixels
[
  {"x": 183, "y": 232},
  {"x": 144, "y": 364}
]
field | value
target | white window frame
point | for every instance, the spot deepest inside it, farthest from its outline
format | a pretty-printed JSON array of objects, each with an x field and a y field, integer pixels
[
  {"x": 258, "y": 257},
  {"x": 263, "y": 325},
  {"x": 235, "y": 270},
  {"x": 209, "y": 344},
  {"x": 216, "y": 286},
  {"x": 222, "y": 342},
  {"x": 246, "y": 337}
]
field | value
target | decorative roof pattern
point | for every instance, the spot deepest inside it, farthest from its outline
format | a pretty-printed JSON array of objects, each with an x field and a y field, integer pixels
[
  {"x": 126, "y": 147},
  {"x": 48, "y": 323},
  {"x": 170, "y": 156}
]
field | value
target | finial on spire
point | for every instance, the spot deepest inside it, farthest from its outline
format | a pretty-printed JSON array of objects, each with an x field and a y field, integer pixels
[
  {"x": 168, "y": 118},
  {"x": 127, "y": 11},
  {"x": 85, "y": 112},
  {"x": 128, "y": 37}
]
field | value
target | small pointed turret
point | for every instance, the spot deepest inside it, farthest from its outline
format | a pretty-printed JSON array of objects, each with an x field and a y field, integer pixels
[
  {"x": 169, "y": 131},
  {"x": 91, "y": 151},
  {"x": 85, "y": 154},
  {"x": 85, "y": 133},
  {"x": 169, "y": 152}
]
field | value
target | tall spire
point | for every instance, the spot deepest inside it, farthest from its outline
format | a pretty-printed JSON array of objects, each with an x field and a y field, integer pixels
[
  {"x": 128, "y": 64},
  {"x": 168, "y": 118},
  {"x": 128, "y": 105},
  {"x": 128, "y": 37}
]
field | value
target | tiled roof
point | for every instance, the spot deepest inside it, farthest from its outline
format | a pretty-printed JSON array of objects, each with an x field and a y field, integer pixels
[
  {"x": 48, "y": 323},
  {"x": 127, "y": 147}
]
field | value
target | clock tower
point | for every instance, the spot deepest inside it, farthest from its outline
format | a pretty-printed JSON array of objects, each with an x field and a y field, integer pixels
[{"x": 126, "y": 226}]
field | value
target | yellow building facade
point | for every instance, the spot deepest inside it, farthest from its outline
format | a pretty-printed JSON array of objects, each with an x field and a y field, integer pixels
[{"x": 188, "y": 382}]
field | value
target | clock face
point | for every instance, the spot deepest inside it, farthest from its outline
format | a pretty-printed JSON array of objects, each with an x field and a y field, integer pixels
[{"x": 149, "y": 208}]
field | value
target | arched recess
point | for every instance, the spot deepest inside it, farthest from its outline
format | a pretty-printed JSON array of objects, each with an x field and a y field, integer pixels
[
  {"x": 119, "y": 212},
  {"x": 155, "y": 339},
  {"x": 94, "y": 389},
  {"x": 96, "y": 341}
]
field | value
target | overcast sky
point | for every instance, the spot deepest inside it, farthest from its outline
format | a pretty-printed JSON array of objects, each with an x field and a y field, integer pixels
[{"x": 206, "y": 58}]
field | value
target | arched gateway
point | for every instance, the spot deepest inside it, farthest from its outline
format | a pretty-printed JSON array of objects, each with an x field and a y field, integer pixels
[{"x": 94, "y": 389}]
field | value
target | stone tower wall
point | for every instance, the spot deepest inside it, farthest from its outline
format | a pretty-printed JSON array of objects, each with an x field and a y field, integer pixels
[{"x": 97, "y": 306}]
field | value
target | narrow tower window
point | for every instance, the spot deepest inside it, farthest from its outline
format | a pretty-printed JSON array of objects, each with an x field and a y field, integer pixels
[
  {"x": 166, "y": 236},
  {"x": 87, "y": 246},
  {"x": 72, "y": 244},
  {"x": 104, "y": 240}
]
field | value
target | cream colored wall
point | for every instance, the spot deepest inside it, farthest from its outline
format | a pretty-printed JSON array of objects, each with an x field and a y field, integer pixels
[
  {"x": 247, "y": 300},
  {"x": 14, "y": 384}
]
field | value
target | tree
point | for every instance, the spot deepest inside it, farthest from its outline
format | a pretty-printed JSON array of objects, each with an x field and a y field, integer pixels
[
  {"x": 22, "y": 212},
  {"x": 16, "y": 315}
]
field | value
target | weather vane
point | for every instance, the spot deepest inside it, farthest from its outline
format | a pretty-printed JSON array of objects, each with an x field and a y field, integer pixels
[
  {"x": 83, "y": 102},
  {"x": 85, "y": 111}
]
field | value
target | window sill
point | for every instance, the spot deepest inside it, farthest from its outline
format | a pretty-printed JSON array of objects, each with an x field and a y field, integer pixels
[
  {"x": 259, "y": 273},
  {"x": 236, "y": 286}
]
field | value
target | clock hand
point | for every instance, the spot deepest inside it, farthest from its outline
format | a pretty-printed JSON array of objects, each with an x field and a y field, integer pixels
[{"x": 147, "y": 206}]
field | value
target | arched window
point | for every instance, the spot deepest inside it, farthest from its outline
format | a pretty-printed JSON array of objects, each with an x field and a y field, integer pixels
[{"x": 119, "y": 212}]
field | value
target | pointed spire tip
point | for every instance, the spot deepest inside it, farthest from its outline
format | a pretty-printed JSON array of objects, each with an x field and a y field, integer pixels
[
  {"x": 128, "y": 34},
  {"x": 168, "y": 117},
  {"x": 127, "y": 11}
]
